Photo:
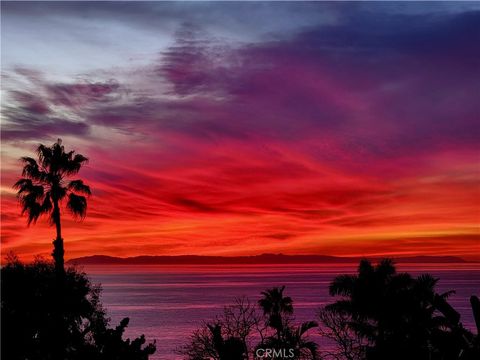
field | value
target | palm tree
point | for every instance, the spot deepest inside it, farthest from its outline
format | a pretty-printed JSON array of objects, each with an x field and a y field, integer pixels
[
  {"x": 395, "y": 312},
  {"x": 44, "y": 188},
  {"x": 275, "y": 306},
  {"x": 304, "y": 348},
  {"x": 364, "y": 296}
]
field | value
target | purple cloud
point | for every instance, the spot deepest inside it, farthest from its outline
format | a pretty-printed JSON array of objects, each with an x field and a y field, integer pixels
[{"x": 77, "y": 94}]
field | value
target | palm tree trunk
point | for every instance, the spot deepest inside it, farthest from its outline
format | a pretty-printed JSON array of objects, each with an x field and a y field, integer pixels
[
  {"x": 58, "y": 253},
  {"x": 58, "y": 250}
]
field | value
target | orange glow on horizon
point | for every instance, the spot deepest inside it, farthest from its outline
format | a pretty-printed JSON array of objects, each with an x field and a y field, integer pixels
[{"x": 174, "y": 212}]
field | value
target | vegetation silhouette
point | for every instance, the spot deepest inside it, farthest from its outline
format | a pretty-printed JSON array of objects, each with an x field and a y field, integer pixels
[
  {"x": 244, "y": 331},
  {"x": 381, "y": 314},
  {"x": 239, "y": 324},
  {"x": 43, "y": 189},
  {"x": 49, "y": 312},
  {"x": 231, "y": 348},
  {"x": 29, "y": 311},
  {"x": 278, "y": 310}
]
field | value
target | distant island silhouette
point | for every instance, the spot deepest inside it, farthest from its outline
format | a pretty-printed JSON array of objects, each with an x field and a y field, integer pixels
[{"x": 254, "y": 259}]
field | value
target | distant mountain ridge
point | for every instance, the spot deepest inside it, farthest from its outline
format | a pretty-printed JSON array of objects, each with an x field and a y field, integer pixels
[{"x": 254, "y": 259}]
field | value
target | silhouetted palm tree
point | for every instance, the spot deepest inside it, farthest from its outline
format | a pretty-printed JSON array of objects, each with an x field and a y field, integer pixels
[
  {"x": 296, "y": 339},
  {"x": 43, "y": 189},
  {"x": 396, "y": 312},
  {"x": 275, "y": 306}
]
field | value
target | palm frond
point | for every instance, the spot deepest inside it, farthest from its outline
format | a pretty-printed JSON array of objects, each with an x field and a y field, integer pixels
[
  {"x": 47, "y": 203},
  {"x": 27, "y": 188},
  {"x": 340, "y": 307},
  {"x": 311, "y": 347},
  {"x": 22, "y": 185},
  {"x": 342, "y": 285},
  {"x": 34, "y": 211},
  {"x": 286, "y": 305},
  {"x": 79, "y": 186},
  {"x": 31, "y": 169},
  {"x": 304, "y": 327},
  {"x": 57, "y": 151},
  {"x": 427, "y": 281},
  {"x": 79, "y": 158},
  {"x": 365, "y": 268},
  {"x": 364, "y": 329},
  {"x": 386, "y": 267},
  {"x": 45, "y": 155},
  {"x": 73, "y": 166},
  {"x": 31, "y": 207},
  {"x": 401, "y": 281},
  {"x": 447, "y": 294},
  {"x": 265, "y": 304},
  {"x": 69, "y": 155},
  {"x": 77, "y": 204}
]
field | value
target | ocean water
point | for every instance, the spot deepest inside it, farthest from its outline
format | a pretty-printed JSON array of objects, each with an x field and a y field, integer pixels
[{"x": 166, "y": 303}]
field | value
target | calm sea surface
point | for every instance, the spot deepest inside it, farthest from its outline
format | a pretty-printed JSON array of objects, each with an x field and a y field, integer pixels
[{"x": 167, "y": 303}]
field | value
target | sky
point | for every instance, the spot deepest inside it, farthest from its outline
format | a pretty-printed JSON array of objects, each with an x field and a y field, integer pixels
[{"x": 348, "y": 129}]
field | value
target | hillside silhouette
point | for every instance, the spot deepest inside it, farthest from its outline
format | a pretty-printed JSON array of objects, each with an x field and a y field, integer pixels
[{"x": 254, "y": 259}]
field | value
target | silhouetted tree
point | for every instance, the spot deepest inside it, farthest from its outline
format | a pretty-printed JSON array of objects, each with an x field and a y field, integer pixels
[
  {"x": 231, "y": 348},
  {"x": 277, "y": 308},
  {"x": 242, "y": 320},
  {"x": 296, "y": 339},
  {"x": 28, "y": 309},
  {"x": 43, "y": 189},
  {"x": 229, "y": 337},
  {"x": 455, "y": 341},
  {"x": 381, "y": 315},
  {"x": 293, "y": 344},
  {"x": 346, "y": 343},
  {"x": 395, "y": 315}
]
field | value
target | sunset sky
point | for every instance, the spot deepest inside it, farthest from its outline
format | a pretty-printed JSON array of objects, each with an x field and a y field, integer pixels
[{"x": 234, "y": 129}]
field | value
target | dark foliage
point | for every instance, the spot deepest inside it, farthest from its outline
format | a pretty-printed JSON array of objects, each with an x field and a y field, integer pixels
[
  {"x": 231, "y": 348},
  {"x": 29, "y": 311},
  {"x": 41, "y": 191},
  {"x": 244, "y": 332},
  {"x": 383, "y": 314},
  {"x": 380, "y": 315},
  {"x": 229, "y": 337},
  {"x": 278, "y": 311}
]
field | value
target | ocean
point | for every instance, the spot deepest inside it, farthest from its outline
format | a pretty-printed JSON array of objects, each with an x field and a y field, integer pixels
[{"x": 166, "y": 303}]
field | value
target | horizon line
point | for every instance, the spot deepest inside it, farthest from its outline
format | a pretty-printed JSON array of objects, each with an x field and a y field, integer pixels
[{"x": 269, "y": 258}]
